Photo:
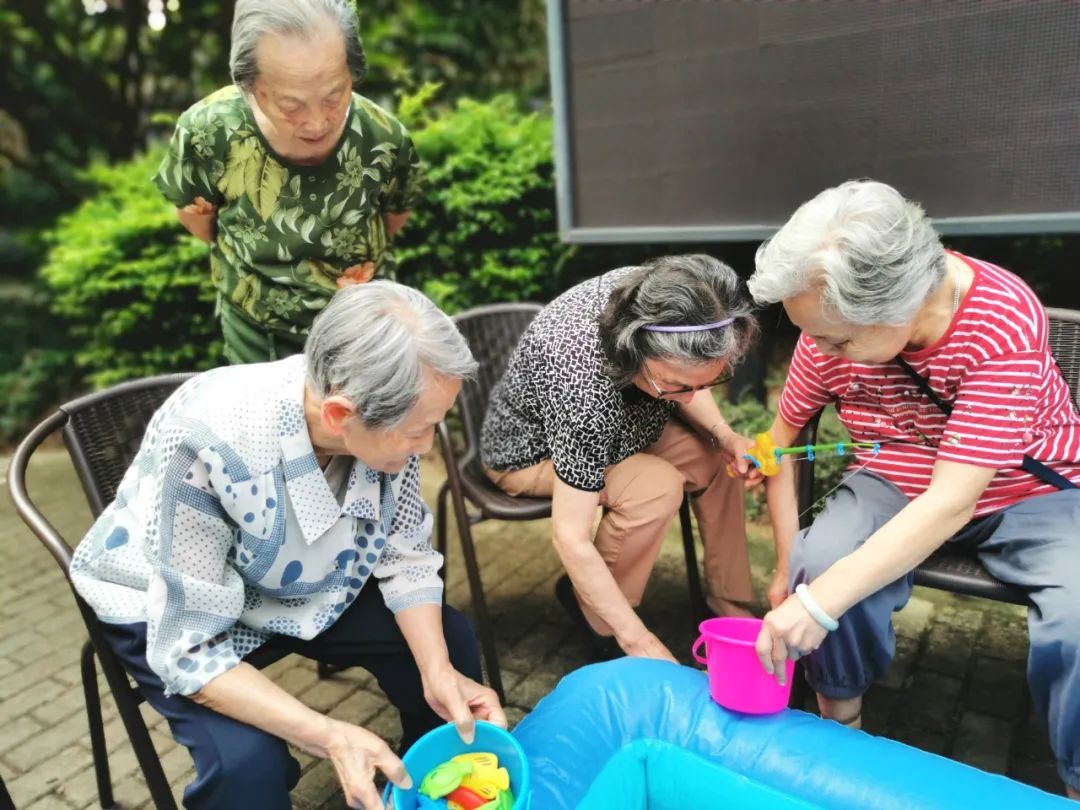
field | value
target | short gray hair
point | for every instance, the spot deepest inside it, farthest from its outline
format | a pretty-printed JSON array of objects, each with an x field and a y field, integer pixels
[
  {"x": 372, "y": 344},
  {"x": 253, "y": 19},
  {"x": 675, "y": 290},
  {"x": 874, "y": 255}
]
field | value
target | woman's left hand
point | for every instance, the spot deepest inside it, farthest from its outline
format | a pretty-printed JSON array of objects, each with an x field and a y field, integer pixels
[
  {"x": 461, "y": 701},
  {"x": 789, "y": 631}
]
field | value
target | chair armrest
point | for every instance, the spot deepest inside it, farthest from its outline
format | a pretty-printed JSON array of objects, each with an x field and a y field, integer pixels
[{"x": 30, "y": 514}]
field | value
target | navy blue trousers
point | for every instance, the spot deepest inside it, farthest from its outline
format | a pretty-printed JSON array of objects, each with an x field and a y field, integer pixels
[{"x": 237, "y": 765}]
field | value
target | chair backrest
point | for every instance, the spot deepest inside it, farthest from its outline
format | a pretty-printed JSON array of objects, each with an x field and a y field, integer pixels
[
  {"x": 104, "y": 430},
  {"x": 1065, "y": 345},
  {"x": 492, "y": 332}
]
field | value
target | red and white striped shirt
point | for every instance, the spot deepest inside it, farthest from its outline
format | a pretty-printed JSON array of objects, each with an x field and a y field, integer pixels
[{"x": 993, "y": 364}]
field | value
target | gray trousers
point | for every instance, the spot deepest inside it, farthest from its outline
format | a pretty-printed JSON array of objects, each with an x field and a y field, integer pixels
[{"x": 1034, "y": 545}]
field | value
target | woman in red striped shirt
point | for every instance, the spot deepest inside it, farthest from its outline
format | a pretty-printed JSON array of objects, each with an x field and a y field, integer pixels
[{"x": 988, "y": 455}]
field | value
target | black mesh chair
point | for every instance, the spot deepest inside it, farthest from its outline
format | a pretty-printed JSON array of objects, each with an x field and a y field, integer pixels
[
  {"x": 102, "y": 433},
  {"x": 493, "y": 332},
  {"x": 959, "y": 570}
]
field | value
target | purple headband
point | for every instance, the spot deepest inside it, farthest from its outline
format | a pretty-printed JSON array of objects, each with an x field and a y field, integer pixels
[{"x": 697, "y": 327}]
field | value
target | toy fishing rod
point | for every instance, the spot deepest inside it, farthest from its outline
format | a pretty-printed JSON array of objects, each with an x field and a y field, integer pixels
[{"x": 767, "y": 457}]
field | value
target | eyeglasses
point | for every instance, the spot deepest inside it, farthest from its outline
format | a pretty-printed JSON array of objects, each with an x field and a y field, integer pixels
[{"x": 686, "y": 389}]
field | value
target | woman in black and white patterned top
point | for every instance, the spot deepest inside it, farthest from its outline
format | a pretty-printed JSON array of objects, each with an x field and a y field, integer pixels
[{"x": 584, "y": 415}]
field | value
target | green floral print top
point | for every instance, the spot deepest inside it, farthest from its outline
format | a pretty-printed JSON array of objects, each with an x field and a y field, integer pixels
[{"x": 286, "y": 232}]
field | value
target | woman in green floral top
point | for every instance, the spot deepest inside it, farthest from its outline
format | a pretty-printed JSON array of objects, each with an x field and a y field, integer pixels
[{"x": 296, "y": 182}]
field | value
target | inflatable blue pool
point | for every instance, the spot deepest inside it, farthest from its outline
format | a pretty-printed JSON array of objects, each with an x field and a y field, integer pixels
[{"x": 636, "y": 734}]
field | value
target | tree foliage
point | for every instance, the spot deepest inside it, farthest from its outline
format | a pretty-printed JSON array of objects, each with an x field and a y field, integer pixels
[
  {"x": 473, "y": 48},
  {"x": 84, "y": 85}
]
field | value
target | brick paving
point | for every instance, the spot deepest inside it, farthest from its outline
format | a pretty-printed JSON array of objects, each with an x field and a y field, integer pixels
[{"x": 957, "y": 687}]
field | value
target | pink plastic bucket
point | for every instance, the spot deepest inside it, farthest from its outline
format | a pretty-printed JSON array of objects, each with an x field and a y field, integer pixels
[{"x": 737, "y": 681}]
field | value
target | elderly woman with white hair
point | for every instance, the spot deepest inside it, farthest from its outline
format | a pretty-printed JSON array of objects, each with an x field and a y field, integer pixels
[
  {"x": 278, "y": 505},
  {"x": 585, "y": 416},
  {"x": 296, "y": 182},
  {"x": 942, "y": 359}
]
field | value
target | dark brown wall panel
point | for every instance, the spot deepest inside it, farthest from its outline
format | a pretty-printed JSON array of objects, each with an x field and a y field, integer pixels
[{"x": 725, "y": 114}]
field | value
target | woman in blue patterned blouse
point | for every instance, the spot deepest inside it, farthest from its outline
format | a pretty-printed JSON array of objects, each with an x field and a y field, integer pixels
[{"x": 262, "y": 502}]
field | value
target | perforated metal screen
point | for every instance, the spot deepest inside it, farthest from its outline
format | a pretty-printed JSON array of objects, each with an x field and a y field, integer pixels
[{"x": 714, "y": 119}]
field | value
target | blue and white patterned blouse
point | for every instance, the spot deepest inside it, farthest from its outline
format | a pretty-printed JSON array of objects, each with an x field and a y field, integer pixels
[{"x": 224, "y": 530}]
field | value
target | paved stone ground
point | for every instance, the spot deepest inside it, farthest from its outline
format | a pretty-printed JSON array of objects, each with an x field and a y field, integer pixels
[{"x": 957, "y": 687}]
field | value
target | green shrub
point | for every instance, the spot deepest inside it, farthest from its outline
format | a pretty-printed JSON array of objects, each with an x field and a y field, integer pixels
[
  {"x": 486, "y": 230},
  {"x": 130, "y": 283}
]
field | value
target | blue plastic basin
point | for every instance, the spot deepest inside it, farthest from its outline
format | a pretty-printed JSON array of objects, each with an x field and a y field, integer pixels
[{"x": 442, "y": 743}]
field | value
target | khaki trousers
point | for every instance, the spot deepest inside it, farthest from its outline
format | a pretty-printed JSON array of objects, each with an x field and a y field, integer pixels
[{"x": 640, "y": 497}]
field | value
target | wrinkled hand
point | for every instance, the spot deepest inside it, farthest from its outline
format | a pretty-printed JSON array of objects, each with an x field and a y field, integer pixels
[
  {"x": 357, "y": 274},
  {"x": 787, "y": 632},
  {"x": 356, "y": 754},
  {"x": 462, "y": 701},
  {"x": 647, "y": 645},
  {"x": 778, "y": 588},
  {"x": 199, "y": 207},
  {"x": 734, "y": 448}
]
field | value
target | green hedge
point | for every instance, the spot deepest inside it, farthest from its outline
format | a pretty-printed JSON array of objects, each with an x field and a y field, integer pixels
[
  {"x": 129, "y": 282},
  {"x": 486, "y": 231}
]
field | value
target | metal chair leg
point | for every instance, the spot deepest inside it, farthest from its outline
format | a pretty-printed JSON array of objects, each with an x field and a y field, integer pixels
[
  {"x": 5, "y": 798},
  {"x": 698, "y": 608},
  {"x": 326, "y": 670},
  {"x": 472, "y": 569},
  {"x": 476, "y": 587},
  {"x": 441, "y": 544},
  {"x": 97, "y": 726},
  {"x": 441, "y": 521},
  {"x": 800, "y": 689},
  {"x": 145, "y": 754}
]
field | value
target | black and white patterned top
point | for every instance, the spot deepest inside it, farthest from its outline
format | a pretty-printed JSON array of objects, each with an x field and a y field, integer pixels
[{"x": 556, "y": 402}]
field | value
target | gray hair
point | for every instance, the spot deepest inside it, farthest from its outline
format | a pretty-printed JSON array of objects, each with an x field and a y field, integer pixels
[
  {"x": 372, "y": 344},
  {"x": 874, "y": 255},
  {"x": 253, "y": 19},
  {"x": 673, "y": 291}
]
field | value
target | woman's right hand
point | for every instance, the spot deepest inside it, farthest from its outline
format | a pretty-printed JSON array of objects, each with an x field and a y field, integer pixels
[
  {"x": 356, "y": 754},
  {"x": 647, "y": 645}
]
